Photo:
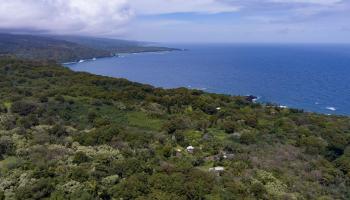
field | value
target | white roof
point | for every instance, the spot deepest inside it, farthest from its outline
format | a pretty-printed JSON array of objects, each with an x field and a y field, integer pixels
[
  {"x": 217, "y": 169},
  {"x": 190, "y": 148}
]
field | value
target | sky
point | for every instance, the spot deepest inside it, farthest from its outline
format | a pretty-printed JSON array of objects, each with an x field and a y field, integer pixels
[{"x": 179, "y": 21}]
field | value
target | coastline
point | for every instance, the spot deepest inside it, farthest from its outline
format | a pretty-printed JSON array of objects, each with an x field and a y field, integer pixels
[
  {"x": 281, "y": 100},
  {"x": 254, "y": 99},
  {"x": 118, "y": 55}
]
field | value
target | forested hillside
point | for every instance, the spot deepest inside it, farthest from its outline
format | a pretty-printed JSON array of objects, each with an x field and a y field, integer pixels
[
  {"x": 70, "y": 135},
  {"x": 67, "y": 48},
  {"x": 44, "y": 48},
  {"x": 114, "y": 45}
]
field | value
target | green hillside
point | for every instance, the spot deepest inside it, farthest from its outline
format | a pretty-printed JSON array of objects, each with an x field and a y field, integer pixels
[
  {"x": 113, "y": 45},
  {"x": 67, "y": 48},
  {"x": 70, "y": 135}
]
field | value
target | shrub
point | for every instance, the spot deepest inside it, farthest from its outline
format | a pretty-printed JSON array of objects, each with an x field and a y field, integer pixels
[
  {"x": 343, "y": 163},
  {"x": 38, "y": 190},
  {"x": 6, "y": 146},
  {"x": 80, "y": 157},
  {"x": 7, "y": 122},
  {"x": 229, "y": 126},
  {"x": 43, "y": 99},
  {"x": 23, "y": 108},
  {"x": 59, "y": 98},
  {"x": 2, "y": 195},
  {"x": 3, "y": 109},
  {"x": 58, "y": 130},
  {"x": 176, "y": 124},
  {"x": 101, "y": 135},
  {"x": 258, "y": 189},
  {"x": 28, "y": 121},
  {"x": 91, "y": 116},
  {"x": 248, "y": 137},
  {"x": 80, "y": 174},
  {"x": 198, "y": 184},
  {"x": 131, "y": 188},
  {"x": 314, "y": 145}
]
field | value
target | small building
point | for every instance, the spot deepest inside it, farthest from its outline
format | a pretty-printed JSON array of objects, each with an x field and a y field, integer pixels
[
  {"x": 190, "y": 149},
  {"x": 217, "y": 170}
]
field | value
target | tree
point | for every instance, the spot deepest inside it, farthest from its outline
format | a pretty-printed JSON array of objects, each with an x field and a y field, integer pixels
[
  {"x": 58, "y": 130},
  {"x": 29, "y": 121},
  {"x": 23, "y": 107},
  {"x": 3, "y": 109},
  {"x": 101, "y": 135},
  {"x": 2, "y": 195},
  {"x": 131, "y": 188},
  {"x": 6, "y": 146},
  {"x": 248, "y": 137},
  {"x": 92, "y": 116},
  {"x": 198, "y": 184},
  {"x": 80, "y": 157},
  {"x": 258, "y": 189},
  {"x": 344, "y": 163},
  {"x": 40, "y": 189},
  {"x": 176, "y": 124},
  {"x": 314, "y": 145},
  {"x": 229, "y": 126}
]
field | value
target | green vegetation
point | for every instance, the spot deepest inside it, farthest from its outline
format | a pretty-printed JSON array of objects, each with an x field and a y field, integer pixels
[
  {"x": 68, "y": 48},
  {"x": 69, "y": 135},
  {"x": 113, "y": 45}
]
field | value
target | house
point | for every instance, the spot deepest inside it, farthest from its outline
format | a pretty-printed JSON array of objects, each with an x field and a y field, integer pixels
[
  {"x": 217, "y": 170},
  {"x": 190, "y": 149}
]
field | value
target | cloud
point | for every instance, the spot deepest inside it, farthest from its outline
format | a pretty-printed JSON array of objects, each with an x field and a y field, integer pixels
[
  {"x": 290, "y": 11},
  {"x": 288, "y": 5},
  {"x": 319, "y": 2},
  {"x": 154, "y": 7},
  {"x": 93, "y": 17},
  {"x": 89, "y": 17},
  {"x": 181, "y": 20}
]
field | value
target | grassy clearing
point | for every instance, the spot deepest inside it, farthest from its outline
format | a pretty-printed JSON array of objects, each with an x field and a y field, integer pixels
[
  {"x": 193, "y": 137},
  {"x": 218, "y": 134},
  {"x": 141, "y": 120}
]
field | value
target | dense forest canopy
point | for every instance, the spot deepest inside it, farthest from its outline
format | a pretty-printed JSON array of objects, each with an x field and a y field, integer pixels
[{"x": 72, "y": 135}]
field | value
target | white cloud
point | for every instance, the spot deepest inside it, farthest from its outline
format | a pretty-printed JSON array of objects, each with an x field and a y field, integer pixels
[
  {"x": 116, "y": 17},
  {"x": 98, "y": 17},
  {"x": 319, "y": 2},
  {"x": 93, "y": 17},
  {"x": 153, "y": 7}
]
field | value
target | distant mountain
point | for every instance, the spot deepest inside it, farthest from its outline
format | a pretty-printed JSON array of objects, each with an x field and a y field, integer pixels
[
  {"x": 68, "y": 48},
  {"x": 100, "y": 43},
  {"x": 113, "y": 45},
  {"x": 39, "y": 47}
]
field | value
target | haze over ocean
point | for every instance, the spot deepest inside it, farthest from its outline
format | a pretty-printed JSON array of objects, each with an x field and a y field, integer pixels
[{"x": 310, "y": 77}]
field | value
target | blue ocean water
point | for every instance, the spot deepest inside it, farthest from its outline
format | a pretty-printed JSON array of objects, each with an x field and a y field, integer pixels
[{"x": 311, "y": 77}]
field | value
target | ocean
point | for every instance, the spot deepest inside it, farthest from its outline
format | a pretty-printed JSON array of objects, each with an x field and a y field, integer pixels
[{"x": 311, "y": 77}]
